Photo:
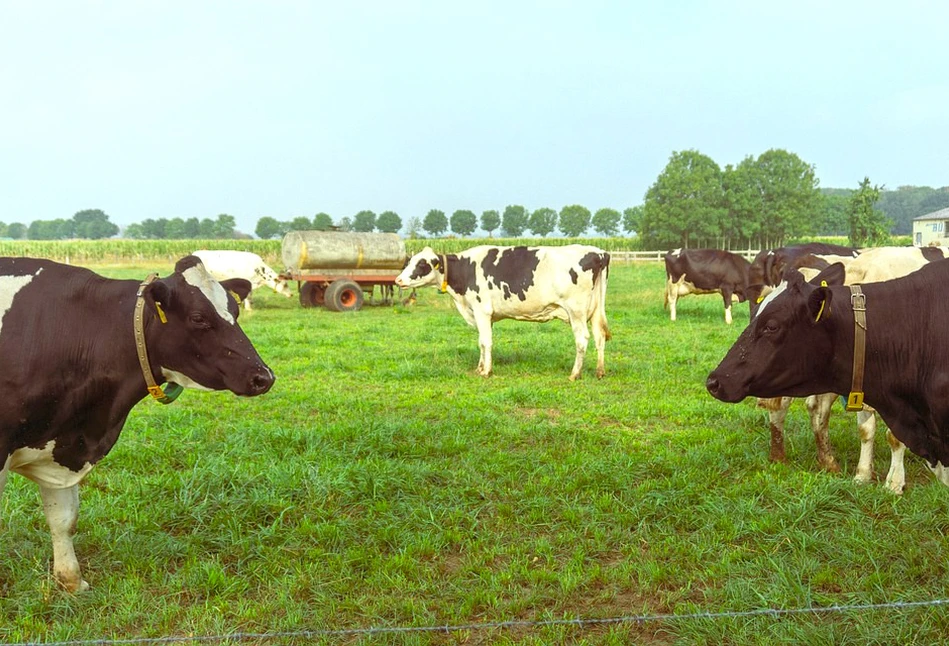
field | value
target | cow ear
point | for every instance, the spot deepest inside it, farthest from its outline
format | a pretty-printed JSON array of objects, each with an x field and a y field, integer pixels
[
  {"x": 818, "y": 302},
  {"x": 833, "y": 275},
  {"x": 159, "y": 292},
  {"x": 237, "y": 286}
]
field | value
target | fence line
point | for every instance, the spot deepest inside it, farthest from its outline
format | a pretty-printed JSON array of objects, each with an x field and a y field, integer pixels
[
  {"x": 636, "y": 256},
  {"x": 629, "y": 619}
]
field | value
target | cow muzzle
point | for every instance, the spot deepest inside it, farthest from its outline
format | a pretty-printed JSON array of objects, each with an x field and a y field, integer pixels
[{"x": 261, "y": 380}]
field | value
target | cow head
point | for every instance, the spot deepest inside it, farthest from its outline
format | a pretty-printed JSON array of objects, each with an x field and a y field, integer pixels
[
  {"x": 424, "y": 268},
  {"x": 787, "y": 346},
  {"x": 273, "y": 280},
  {"x": 192, "y": 334}
]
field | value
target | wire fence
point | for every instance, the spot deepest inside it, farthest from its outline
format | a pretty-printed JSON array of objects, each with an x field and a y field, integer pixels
[{"x": 499, "y": 625}]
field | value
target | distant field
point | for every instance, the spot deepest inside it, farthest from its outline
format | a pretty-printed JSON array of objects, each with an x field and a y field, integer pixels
[{"x": 382, "y": 484}]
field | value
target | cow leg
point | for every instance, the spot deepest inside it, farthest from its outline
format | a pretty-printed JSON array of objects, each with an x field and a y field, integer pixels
[
  {"x": 247, "y": 303},
  {"x": 483, "y": 324},
  {"x": 819, "y": 408},
  {"x": 941, "y": 472},
  {"x": 600, "y": 335},
  {"x": 866, "y": 429},
  {"x": 727, "y": 297},
  {"x": 61, "y": 507},
  {"x": 581, "y": 337},
  {"x": 777, "y": 408},
  {"x": 672, "y": 295},
  {"x": 896, "y": 476}
]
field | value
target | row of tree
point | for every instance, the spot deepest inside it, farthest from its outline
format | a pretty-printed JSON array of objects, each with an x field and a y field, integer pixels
[{"x": 515, "y": 221}]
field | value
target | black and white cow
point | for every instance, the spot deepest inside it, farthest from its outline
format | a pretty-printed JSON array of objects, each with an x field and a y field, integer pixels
[
  {"x": 524, "y": 283},
  {"x": 768, "y": 267},
  {"x": 73, "y": 368},
  {"x": 705, "y": 271},
  {"x": 224, "y": 264},
  {"x": 803, "y": 343}
]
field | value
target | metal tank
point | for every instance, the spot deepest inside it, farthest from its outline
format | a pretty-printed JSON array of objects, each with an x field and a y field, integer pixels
[{"x": 334, "y": 250}]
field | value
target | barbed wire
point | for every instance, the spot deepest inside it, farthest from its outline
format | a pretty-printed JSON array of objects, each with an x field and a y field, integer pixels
[{"x": 526, "y": 623}]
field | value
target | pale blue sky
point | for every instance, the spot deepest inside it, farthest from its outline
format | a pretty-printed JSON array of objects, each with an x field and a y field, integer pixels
[{"x": 190, "y": 109}]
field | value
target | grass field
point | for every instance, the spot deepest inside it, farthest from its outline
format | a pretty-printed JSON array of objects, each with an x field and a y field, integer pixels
[{"x": 381, "y": 484}]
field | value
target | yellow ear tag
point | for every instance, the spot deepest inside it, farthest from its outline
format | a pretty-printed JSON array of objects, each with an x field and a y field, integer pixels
[
  {"x": 236, "y": 297},
  {"x": 161, "y": 312},
  {"x": 823, "y": 283},
  {"x": 760, "y": 298}
]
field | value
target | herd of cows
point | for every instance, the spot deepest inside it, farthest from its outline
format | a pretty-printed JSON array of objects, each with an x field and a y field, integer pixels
[
  {"x": 80, "y": 350},
  {"x": 829, "y": 321}
]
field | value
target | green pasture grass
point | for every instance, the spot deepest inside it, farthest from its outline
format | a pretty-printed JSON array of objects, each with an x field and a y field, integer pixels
[{"x": 382, "y": 483}]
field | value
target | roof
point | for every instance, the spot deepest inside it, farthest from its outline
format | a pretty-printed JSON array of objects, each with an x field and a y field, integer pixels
[{"x": 941, "y": 214}]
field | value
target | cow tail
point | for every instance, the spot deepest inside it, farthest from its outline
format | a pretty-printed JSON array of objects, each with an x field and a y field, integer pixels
[{"x": 599, "y": 297}]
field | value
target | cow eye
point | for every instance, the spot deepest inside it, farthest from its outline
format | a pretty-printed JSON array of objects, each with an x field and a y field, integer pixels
[
  {"x": 769, "y": 327},
  {"x": 199, "y": 320}
]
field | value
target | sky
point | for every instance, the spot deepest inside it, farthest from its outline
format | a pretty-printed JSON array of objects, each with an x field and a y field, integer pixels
[{"x": 285, "y": 109}]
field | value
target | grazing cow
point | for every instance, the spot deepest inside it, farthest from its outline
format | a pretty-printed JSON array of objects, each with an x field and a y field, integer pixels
[
  {"x": 872, "y": 265},
  {"x": 881, "y": 343},
  {"x": 705, "y": 271},
  {"x": 523, "y": 283},
  {"x": 79, "y": 351},
  {"x": 224, "y": 264},
  {"x": 768, "y": 267}
]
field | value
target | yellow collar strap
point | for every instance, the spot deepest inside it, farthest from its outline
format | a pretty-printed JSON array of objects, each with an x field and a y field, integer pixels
[{"x": 444, "y": 273}]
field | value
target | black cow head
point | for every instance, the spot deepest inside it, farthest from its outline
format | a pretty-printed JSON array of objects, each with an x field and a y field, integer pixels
[
  {"x": 192, "y": 335},
  {"x": 785, "y": 349}
]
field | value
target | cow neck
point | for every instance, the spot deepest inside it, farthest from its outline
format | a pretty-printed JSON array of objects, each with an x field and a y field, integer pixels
[
  {"x": 858, "y": 301},
  {"x": 444, "y": 273},
  {"x": 173, "y": 390}
]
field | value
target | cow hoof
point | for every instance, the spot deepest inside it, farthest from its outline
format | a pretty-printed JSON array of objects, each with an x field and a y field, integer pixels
[
  {"x": 600, "y": 374},
  {"x": 862, "y": 478},
  {"x": 831, "y": 466},
  {"x": 778, "y": 457},
  {"x": 72, "y": 586}
]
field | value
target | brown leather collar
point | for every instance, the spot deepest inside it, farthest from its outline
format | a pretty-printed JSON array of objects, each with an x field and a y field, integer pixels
[
  {"x": 858, "y": 301},
  {"x": 173, "y": 390}
]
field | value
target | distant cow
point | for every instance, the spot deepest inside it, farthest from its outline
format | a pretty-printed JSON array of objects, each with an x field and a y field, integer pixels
[
  {"x": 806, "y": 340},
  {"x": 768, "y": 267},
  {"x": 523, "y": 283},
  {"x": 79, "y": 351},
  {"x": 705, "y": 271},
  {"x": 224, "y": 264}
]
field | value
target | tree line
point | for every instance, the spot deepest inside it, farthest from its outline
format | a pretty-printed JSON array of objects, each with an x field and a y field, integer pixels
[{"x": 760, "y": 202}]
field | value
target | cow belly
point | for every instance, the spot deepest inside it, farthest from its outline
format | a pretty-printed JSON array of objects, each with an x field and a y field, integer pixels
[
  {"x": 39, "y": 466},
  {"x": 534, "y": 314},
  {"x": 685, "y": 288}
]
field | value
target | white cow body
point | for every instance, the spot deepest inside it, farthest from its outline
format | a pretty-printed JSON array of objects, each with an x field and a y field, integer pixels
[
  {"x": 491, "y": 283},
  {"x": 224, "y": 264}
]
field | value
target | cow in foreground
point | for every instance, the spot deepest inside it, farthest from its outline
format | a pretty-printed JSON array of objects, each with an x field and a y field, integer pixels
[
  {"x": 524, "y": 283},
  {"x": 79, "y": 351},
  {"x": 872, "y": 265},
  {"x": 224, "y": 264},
  {"x": 805, "y": 339},
  {"x": 705, "y": 271}
]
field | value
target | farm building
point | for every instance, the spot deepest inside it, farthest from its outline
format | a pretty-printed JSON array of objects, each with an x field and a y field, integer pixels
[{"x": 931, "y": 228}]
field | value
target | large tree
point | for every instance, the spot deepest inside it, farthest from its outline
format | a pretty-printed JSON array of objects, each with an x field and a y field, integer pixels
[
  {"x": 606, "y": 221},
  {"x": 684, "y": 206},
  {"x": 435, "y": 222},
  {"x": 322, "y": 222},
  {"x": 490, "y": 220},
  {"x": 463, "y": 222},
  {"x": 514, "y": 220},
  {"x": 790, "y": 196},
  {"x": 868, "y": 226},
  {"x": 268, "y": 227},
  {"x": 299, "y": 223},
  {"x": 93, "y": 224},
  {"x": 633, "y": 218},
  {"x": 389, "y": 222},
  {"x": 574, "y": 220},
  {"x": 542, "y": 222},
  {"x": 364, "y": 222}
]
